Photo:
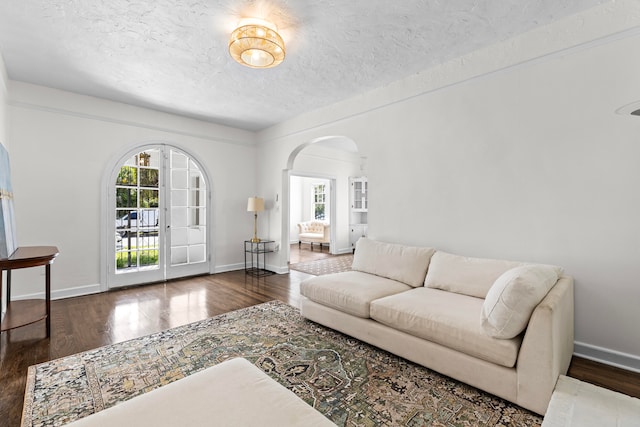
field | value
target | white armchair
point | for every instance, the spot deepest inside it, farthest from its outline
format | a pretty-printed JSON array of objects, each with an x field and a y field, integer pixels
[{"x": 314, "y": 232}]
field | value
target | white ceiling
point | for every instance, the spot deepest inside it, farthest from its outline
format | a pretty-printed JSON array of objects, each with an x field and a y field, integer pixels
[{"x": 171, "y": 55}]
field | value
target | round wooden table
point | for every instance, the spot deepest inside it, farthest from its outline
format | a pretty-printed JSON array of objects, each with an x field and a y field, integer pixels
[{"x": 24, "y": 312}]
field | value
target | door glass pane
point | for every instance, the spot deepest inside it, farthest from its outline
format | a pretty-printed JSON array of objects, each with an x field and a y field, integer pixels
[
  {"x": 178, "y": 217},
  {"x": 196, "y": 235},
  {"x": 196, "y": 217},
  {"x": 196, "y": 198},
  {"x": 179, "y": 197},
  {"x": 178, "y": 255},
  {"x": 179, "y": 179},
  {"x": 149, "y": 198},
  {"x": 179, "y": 236},
  {"x": 179, "y": 160},
  {"x": 196, "y": 253},
  {"x": 126, "y": 197},
  {"x": 149, "y": 177},
  {"x": 128, "y": 176},
  {"x": 136, "y": 213},
  {"x": 148, "y": 257}
]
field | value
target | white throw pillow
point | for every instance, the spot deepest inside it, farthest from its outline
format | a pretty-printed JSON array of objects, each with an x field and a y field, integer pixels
[{"x": 513, "y": 297}]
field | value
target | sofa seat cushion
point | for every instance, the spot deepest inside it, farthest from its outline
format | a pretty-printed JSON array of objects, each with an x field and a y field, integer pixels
[
  {"x": 304, "y": 236},
  {"x": 351, "y": 291},
  {"x": 448, "y": 319}
]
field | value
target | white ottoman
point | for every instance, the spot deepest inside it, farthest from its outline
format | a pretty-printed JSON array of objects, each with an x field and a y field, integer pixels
[
  {"x": 579, "y": 404},
  {"x": 232, "y": 393}
]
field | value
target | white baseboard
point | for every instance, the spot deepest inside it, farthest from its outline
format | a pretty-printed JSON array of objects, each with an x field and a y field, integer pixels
[
  {"x": 240, "y": 266},
  {"x": 63, "y": 293},
  {"x": 227, "y": 267},
  {"x": 344, "y": 251},
  {"x": 607, "y": 356},
  {"x": 277, "y": 269}
]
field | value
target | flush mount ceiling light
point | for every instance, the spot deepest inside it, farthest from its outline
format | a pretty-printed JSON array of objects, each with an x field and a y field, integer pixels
[{"x": 256, "y": 44}]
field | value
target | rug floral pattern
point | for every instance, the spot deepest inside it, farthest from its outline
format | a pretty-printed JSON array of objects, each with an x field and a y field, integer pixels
[{"x": 350, "y": 382}]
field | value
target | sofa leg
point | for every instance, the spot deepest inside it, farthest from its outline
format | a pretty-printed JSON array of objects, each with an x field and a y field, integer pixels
[
  {"x": 311, "y": 243},
  {"x": 299, "y": 244}
]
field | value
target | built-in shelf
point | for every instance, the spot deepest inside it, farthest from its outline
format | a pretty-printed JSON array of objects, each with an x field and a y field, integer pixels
[{"x": 359, "y": 208}]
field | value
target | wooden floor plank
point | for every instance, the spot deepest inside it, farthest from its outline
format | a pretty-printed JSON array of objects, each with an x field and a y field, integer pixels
[{"x": 83, "y": 323}]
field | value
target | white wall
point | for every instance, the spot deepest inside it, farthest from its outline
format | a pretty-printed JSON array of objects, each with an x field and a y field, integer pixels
[
  {"x": 4, "y": 83},
  {"x": 61, "y": 144},
  {"x": 3, "y": 140},
  {"x": 527, "y": 163},
  {"x": 296, "y": 206}
]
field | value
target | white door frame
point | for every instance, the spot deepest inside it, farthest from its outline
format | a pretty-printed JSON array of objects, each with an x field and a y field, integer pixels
[
  {"x": 107, "y": 227},
  {"x": 332, "y": 208}
]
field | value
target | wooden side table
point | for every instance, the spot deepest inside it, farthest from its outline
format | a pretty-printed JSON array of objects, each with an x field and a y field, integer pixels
[{"x": 25, "y": 312}]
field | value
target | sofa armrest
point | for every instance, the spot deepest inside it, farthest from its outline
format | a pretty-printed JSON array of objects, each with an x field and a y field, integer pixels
[
  {"x": 327, "y": 233},
  {"x": 547, "y": 347}
]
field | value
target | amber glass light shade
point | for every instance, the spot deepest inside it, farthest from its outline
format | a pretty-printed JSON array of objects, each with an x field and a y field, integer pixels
[{"x": 256, "y": 44}]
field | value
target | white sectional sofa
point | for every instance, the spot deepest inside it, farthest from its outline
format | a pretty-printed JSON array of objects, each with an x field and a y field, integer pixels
[{"x": 502, "y": 326}]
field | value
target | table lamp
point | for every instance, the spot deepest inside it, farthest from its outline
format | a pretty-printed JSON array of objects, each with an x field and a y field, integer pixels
[{"x": 255, "y": 205}]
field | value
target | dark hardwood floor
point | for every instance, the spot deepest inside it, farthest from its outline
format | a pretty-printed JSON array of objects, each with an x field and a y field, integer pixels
[{"x": 91, "y": 321}]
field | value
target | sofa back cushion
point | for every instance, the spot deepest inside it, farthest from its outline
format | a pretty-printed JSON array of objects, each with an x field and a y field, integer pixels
[
  {"x": 406, "y": 264},
  {"x": 316, "y": 227},
  {"x": 465, "y": 275},
  {"x": 513, "y": 297}
]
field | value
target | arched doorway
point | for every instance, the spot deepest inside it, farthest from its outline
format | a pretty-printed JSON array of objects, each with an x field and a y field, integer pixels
[
  {"x": 351, "y": 164},
  {"x": 158, "y": 209}
]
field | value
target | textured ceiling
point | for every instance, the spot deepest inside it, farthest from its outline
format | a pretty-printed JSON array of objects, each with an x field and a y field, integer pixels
[{"x": 171, "y": 55}]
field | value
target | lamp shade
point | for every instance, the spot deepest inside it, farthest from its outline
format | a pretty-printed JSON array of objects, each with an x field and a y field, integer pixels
[{"x": 255, "y": 204}]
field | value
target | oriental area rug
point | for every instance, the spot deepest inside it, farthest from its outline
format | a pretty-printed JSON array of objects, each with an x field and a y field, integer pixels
[
  {"x": 335, "y": 264},
  {"x": 351, "y": 383}
]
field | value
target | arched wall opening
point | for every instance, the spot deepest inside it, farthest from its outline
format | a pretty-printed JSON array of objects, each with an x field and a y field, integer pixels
[{"x": 331, "y": 158}]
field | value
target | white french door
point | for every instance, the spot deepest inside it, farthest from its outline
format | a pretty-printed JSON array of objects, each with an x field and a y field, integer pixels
[
  {"x": 186, "y": 218},
  {"x": 160, "y": 198}
]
